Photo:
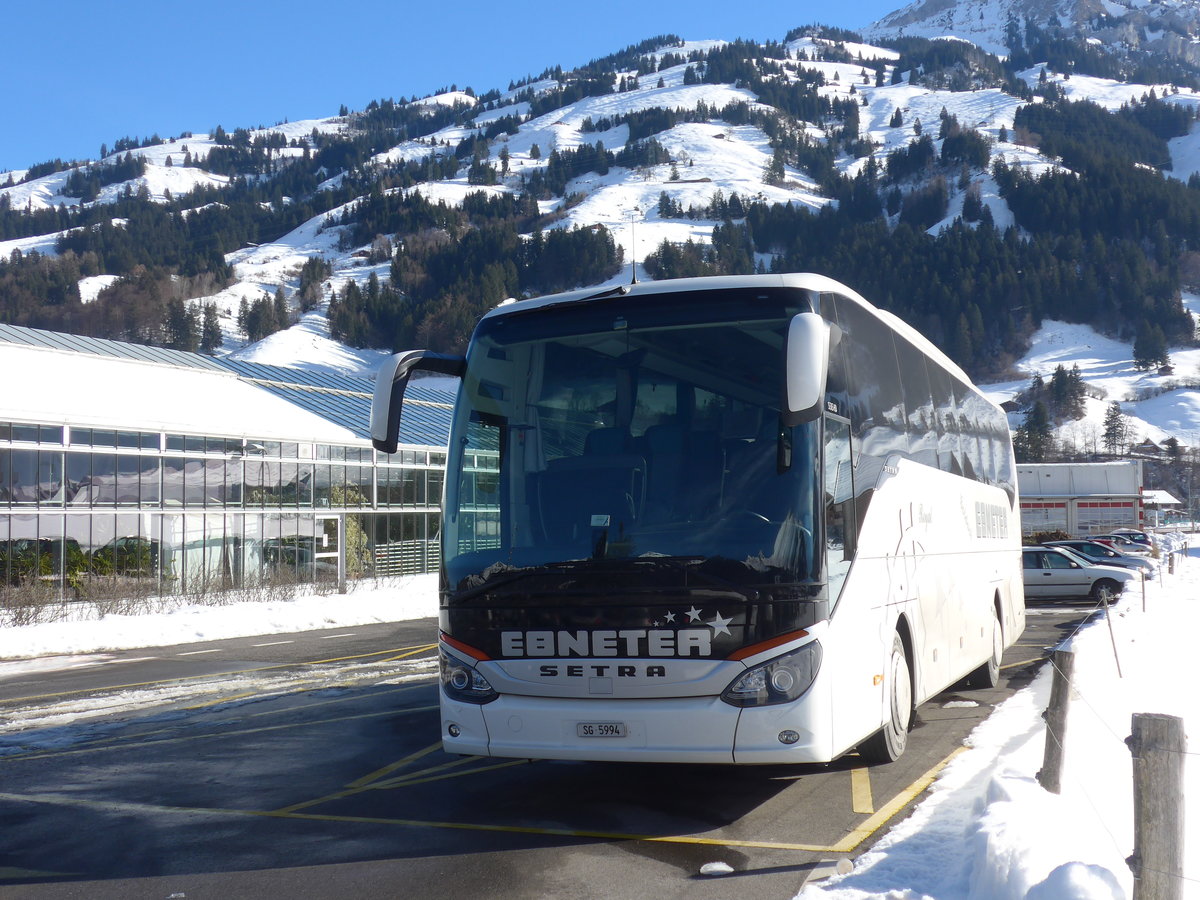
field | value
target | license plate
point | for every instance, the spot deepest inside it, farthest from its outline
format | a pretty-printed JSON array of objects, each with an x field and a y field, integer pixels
[{"x": 600, "y": 729}]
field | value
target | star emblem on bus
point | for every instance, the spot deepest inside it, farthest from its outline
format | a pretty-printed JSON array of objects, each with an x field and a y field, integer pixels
[{"x": 720, "y": 625}]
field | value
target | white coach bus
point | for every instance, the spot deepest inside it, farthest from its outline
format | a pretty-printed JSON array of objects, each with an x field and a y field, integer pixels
[{"x": 722, "y": 520}]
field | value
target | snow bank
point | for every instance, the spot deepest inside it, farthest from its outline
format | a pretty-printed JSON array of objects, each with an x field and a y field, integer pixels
[
  {"x": 988, "y": 831},
  {"x": 87, "y": 629}
]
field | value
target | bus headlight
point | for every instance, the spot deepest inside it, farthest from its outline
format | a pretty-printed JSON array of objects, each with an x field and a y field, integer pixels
[
  {"x": 462, "y": 681},
  {"x": 781, "y": 680}
]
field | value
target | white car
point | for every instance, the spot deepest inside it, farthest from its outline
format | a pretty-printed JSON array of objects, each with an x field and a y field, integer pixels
[{"x": 1053, "y": 573}]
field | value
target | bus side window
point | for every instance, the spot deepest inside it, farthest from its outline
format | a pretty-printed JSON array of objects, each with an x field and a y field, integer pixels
[
  {"x": 949, "y": 452},
  {"x": 918, "y": 404},
  {"x": 837, "y": 381},
  {"x": 840, "y": 531},
  {"x": 868, "y": 358}
]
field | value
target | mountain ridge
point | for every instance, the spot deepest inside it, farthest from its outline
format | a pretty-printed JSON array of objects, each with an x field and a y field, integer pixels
[{"x": 684, "y": 157}]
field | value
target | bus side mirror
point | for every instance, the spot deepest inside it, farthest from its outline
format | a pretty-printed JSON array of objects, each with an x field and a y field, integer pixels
[
  {"x": 390, "y": 382},
  {"x": 806, "y": 359}
]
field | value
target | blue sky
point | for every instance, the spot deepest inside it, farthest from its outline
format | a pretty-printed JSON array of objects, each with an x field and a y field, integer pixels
[{"x": 78, "y": 74}]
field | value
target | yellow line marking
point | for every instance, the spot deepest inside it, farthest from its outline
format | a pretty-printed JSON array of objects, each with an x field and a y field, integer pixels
[
  {"x": 410, "y": 653},
  {"x": 860, "y": 790},
  {"x": 392, "y": 767},
  {"x": 144, "y": 808},
  {"x": 420, "y": 777},
  {"x": 452, "y": 764},
  {"x": 893, "y": 806},
  {"x": 416, "y": 778},
  {"x": 405, "y": 651},
  {"x": 557, "y": 832},
  {"x": 1023, "y": 662},
  {"x": 221, "y": 700},
  {"x": 846, "y": 845}
]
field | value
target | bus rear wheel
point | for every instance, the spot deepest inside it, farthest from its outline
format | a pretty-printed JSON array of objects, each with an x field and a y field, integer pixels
[
  {"x": 889, "y": 742},
  {"x": 988, "y": 675}
]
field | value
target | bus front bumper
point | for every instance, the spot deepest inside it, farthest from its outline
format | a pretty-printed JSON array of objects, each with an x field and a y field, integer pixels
[{"x": 679, "y": 730}]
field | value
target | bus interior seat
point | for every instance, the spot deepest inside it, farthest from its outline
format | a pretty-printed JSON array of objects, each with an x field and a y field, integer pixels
[
  {"x": 607, "y": 480},
  {"x": 665, "y": 445},
  {"x": 703, "y": 473}
]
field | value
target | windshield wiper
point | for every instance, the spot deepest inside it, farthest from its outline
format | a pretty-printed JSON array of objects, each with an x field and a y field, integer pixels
[{"x": 508, "y": 576}]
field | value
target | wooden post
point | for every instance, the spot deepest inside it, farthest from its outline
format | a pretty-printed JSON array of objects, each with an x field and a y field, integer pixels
[
  {"x": 1050, "y": 777},
  {"x": 1158, "y": 745},
  {"x": 1111, "y": 634}
]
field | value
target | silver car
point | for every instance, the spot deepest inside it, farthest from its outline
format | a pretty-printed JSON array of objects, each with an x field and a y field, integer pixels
[
  {"x": 1054, "y": 573},
  {"x": 1101, "y": 554}
]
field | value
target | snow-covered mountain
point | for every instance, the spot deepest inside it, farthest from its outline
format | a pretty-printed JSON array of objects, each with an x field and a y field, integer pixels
[
  {"x": 1166, "y": 27},
  {"x": 707, "y": 157}
]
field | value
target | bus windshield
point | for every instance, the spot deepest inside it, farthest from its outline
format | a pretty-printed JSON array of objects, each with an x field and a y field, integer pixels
[{"x": 633, "y": 430}]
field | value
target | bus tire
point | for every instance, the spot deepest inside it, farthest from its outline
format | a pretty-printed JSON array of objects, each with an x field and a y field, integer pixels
[
  {"x": 887, "y": 744},
  {"x": 988, "y": 675}
]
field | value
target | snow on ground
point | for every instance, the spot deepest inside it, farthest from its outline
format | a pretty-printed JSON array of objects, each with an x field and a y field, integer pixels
[
  {"x": 303, "y": 129},
  {"x": 711, "y": 157},
  {"x": 813, "y": 48},
  {"x": 979, "y": 21},
  {"x": 161, "y": 176},
  {"x": 84, "y": 629},
  {"x": 91, "y": 286},
  {"x": 1170, "y": 408},
  {"x": 449, "y": 98},
  {"x": 988, "y": 831},
  {"x": 45, "y": 244},
  {"x": 165, "y": 182},
  {"x": 1104, "y": 91},
  {"x": 307, "y": 345}
]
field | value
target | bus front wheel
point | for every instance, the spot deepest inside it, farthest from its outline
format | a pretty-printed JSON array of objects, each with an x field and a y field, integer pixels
[{"x": 889, "y": 742}]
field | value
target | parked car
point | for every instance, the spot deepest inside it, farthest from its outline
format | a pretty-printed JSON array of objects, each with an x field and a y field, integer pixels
[
  {"x": 1104, "y": 555},
  {"x": 1122, "y": 544},
  {"x": 1133, "y": 534},
  {"x": 136, "y": 556},
  {"x": 1055, "y": 573}
]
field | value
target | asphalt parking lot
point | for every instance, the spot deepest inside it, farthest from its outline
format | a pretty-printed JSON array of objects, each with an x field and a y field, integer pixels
[{"x": 311, "y": 768}]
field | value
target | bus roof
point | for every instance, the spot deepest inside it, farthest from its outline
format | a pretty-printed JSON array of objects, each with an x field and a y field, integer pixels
[{"x": 808, "y": 281}]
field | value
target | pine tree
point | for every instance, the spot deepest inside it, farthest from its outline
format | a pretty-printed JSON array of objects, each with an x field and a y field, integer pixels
[
  {"x": 1066, "y": 394},
  {"x": 1034, "y": 440},
  {"x": 774, "y": 173},
  {"x": 182, "y": 332},
  {"x": 1116, "y": 430},
  {"x": 281, "y": 310},
  {"x": 1150, "y": 347},
  {"x": 211, "y": 338}
]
